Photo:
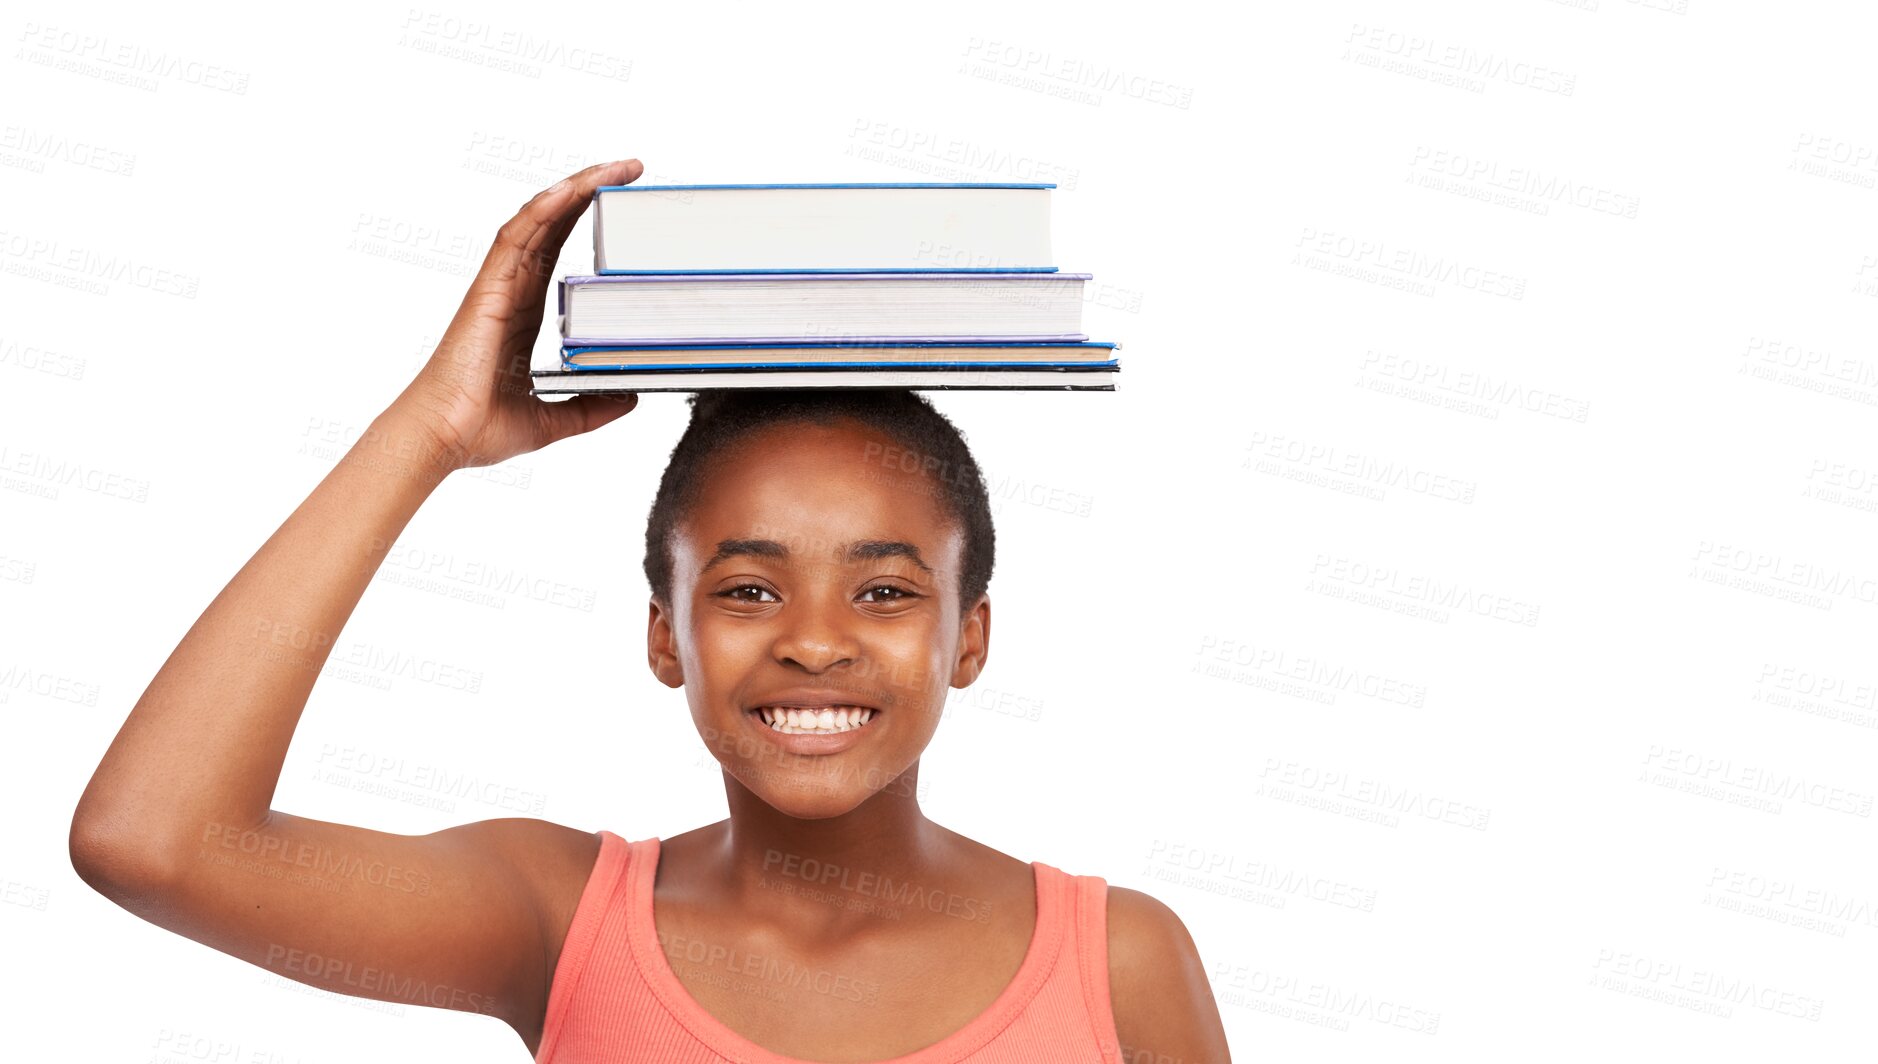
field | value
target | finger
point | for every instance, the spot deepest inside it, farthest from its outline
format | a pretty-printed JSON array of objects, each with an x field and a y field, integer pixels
[
  {"x": 521, "y": 260},
  {"x": 555, "y": 223},
  {"x": 584, "y": 413},
  {"x": 560, "y": 226}
]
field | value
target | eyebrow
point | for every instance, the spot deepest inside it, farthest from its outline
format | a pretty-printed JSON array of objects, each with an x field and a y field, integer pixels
[{"x": 858, "y": 551}]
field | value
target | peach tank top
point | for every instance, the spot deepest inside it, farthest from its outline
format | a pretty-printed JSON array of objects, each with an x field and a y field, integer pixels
[{"x": 616, "y": 998}]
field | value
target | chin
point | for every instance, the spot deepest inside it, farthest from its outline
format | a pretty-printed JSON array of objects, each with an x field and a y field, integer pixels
[{"x": 807, "y": 798}]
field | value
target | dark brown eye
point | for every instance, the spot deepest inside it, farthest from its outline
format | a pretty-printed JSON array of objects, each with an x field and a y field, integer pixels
[
  {"x": 732, "y": 593},
  {"x": 900, "y": 594}
]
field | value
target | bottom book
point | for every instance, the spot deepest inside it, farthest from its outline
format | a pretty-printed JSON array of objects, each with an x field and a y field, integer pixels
[{"x": 1096, "y": 377}]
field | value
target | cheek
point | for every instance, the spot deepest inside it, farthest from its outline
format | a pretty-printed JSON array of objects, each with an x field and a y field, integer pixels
[
  {"x": 724, "y": 649},
  {"x": 915, "y": 669}
]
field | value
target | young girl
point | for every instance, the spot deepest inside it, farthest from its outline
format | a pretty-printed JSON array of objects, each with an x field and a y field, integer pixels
[{"x": 814, "y": 600}]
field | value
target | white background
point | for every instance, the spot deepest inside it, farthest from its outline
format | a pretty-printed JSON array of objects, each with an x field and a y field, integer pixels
[{"x": 1437, "y": 319}]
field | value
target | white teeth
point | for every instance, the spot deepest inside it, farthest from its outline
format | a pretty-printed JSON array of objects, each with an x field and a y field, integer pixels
[{"x": 824, "y": 721}]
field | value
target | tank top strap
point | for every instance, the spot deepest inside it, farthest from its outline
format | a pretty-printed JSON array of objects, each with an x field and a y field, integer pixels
[
  {"x": 1087, "y": 912},
  {"x": 586, "y": 946}
]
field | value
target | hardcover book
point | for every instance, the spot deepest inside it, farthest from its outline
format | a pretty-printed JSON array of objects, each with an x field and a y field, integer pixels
[
  {"x": 912, "y": 354},
  {"x": 821, "y": 308},
  {"x": 866, "y": 227},
  {"x": 1096, "y": 376}
]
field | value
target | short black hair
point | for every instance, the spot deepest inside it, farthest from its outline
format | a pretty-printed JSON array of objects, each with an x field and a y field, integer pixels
[{"x": 931, "y": 446}]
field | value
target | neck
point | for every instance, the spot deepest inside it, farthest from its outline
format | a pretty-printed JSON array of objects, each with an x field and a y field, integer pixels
[{"x": 886, "y": 835}]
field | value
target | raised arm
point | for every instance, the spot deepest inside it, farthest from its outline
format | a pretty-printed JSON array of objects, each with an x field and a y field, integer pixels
[{"x": 177, "y": 824}]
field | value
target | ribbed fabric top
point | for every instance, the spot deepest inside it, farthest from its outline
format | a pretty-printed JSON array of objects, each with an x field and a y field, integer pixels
[{"x": 616, "y": 998}]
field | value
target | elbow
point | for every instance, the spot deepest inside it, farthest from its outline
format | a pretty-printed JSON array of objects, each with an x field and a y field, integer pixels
[
  {"x": 97, "y": 852},
  {"x": 117, "y": 860}
]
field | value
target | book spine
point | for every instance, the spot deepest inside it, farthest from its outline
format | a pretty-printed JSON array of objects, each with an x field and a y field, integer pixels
[{"x": 599, "y": 249}]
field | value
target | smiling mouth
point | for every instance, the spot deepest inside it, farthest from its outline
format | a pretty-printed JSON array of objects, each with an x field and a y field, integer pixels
[{"x": 814, "y": 720}]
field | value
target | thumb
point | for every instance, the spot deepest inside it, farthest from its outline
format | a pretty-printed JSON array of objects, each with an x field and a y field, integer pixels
[{"x": 584, "y": 413}]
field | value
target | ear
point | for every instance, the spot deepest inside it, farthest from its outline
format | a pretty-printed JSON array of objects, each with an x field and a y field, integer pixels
[
  {"x": 662, "y": 646},
  {"x": 974, "y": 642}
]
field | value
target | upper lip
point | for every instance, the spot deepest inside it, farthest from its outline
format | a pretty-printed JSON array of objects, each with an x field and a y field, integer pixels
[{"x": 815, "y": 700}]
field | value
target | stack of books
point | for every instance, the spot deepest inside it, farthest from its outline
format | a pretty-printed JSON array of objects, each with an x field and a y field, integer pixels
[{"x": 915, "y": 285}]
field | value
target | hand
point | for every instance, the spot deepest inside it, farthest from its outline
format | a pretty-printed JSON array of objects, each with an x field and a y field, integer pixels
[{"x": 472, "y": 396}]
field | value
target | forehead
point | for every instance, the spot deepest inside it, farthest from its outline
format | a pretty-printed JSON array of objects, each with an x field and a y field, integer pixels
[{"x": 816, "y": 489}]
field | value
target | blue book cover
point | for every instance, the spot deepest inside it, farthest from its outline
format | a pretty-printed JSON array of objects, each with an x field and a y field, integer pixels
[{"x": 669, "y": 357}]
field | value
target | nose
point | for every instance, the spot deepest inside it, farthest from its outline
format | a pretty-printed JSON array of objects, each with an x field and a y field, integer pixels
[{"x": 816, "y": 634}]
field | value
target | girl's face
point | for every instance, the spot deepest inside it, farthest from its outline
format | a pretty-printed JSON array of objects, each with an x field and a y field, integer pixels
[{"x": 816, "y": 572}]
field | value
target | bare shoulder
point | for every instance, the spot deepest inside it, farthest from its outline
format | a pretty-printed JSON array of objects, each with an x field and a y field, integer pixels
[
  {"x": 1003, "y": 881},
  {"x": 1163, "y": 1003}
]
